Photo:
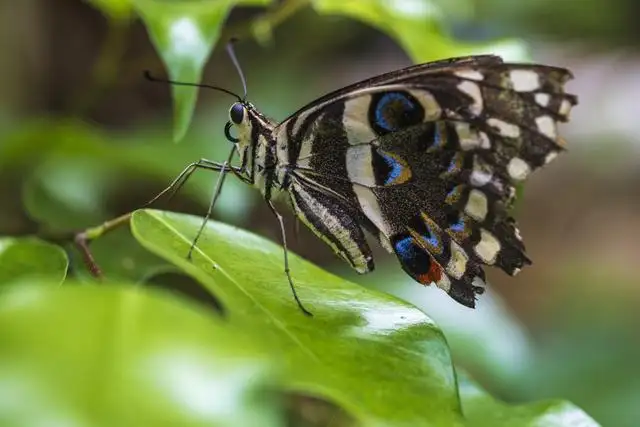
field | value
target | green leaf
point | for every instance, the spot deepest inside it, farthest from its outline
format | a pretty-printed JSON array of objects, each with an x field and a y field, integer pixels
[
  {"x": 417, "y": 25},
  {"x": 125, "y": 356},
  {"x": 482, "y": 410},
  {"x": 381, "y": 359},
  {"x": 184, "y": 34},
  {"x": 24, "y": 258},
  {"x": 357, "y": 341},
  {"x": 488, "y": 340},
  {"x": 114, "y": 9}
]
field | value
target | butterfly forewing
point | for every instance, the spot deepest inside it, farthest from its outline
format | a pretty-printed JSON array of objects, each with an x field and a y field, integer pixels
[{"x": 427, "y": 159}]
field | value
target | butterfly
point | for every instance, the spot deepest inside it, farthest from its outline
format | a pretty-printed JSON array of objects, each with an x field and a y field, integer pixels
[{"x": 426, "y": 159}]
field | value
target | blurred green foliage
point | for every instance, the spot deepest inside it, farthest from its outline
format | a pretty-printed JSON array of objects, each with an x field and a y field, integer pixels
[
  {"x": 119, "y": 355},
  {"x": 602, "y": 23},
  {"x": 67, "y": 170},
  {"x": 23, "y": 259},
  {"x": 184, "y": 34}
]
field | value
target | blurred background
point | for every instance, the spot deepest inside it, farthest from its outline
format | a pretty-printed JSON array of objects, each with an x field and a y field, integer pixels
[{"x": 84, "y": 138}]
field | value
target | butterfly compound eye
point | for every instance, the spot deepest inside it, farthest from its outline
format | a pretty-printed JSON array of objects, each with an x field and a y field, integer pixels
[{"x": 236, "y": 113}]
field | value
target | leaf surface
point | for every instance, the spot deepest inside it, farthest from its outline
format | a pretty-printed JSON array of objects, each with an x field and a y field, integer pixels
[{"x": 381, "y": 359}]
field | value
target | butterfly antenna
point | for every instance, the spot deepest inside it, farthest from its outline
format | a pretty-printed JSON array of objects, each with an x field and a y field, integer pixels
[
  {"x": 148, "y": 76},
  {"x": 234, "y": 60}
]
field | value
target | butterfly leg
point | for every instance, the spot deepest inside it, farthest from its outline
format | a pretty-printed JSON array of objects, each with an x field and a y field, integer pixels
[
  {"x": 214, "y": 198},
  {"x": 286, "y": 257},
  {"x": 182, "y": 178}
]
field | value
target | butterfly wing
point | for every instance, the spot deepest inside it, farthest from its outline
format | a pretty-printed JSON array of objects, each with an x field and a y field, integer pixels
[{"x": 427, "y": 158}]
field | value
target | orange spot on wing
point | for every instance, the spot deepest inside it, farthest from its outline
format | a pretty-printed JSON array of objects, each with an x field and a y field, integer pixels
[
  {"x": 435, "y": 271},
  {"x": 424, "y": 279},
  {"x": 432, "y": 276}
]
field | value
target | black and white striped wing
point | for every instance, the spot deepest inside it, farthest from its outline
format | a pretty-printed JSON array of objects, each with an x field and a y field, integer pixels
[{"x": 427, "y": 159}]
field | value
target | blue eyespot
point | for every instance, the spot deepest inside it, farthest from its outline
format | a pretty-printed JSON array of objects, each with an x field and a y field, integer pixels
[
  {"x": 454, "y": 195},
  {"x": 236, "y": 113},
  {"x": 431, "y": 240},
  {"x": 405, "y": 248},
  {"x": 396, "y": 168},
  {"x": 389, "y": 168},
  {"x": 458, "y": 227},
  {"x": 396, "y": 110},
  {"x": 416, "y": 261}
]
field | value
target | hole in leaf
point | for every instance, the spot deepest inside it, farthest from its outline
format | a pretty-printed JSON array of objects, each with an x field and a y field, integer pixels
[
  {"x": 313, "y": 411},
  {"x": 185, "y": 286}
]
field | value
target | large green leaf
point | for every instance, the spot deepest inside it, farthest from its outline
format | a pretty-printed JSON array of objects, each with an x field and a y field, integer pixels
[
  {"x": 417, "y": 25},
  {"x": 184, "y": 34},
  {"x": 488, "y": 340},
  {"x": 378, "y": 357},
  {"x": 482, "y": 410},
  {"x": 126, "y": 356},
  {"x": 24, "y": 258}
]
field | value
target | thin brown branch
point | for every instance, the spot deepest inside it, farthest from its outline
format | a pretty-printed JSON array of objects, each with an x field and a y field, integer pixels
[{"x": 84, "y": 238}]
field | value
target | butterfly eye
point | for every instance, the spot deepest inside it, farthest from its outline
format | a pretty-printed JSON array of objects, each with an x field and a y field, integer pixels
[{"x": 236, "y": 113}]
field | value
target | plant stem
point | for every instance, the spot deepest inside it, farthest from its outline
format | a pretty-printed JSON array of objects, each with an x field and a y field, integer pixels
[{"x": 84, "y": 238}]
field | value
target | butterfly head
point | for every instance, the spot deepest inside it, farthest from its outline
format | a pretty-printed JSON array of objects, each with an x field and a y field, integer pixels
[
  {"x": 239, "y": 120},
  {"x": 248, "y": 123}
]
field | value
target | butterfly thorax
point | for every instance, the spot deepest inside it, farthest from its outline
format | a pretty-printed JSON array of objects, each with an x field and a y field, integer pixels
[{"x": 256, "y": 145}]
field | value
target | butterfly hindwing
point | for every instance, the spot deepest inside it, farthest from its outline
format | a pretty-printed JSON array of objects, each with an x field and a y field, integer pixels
[
  {"x": 428, "y": 158},
  {"x": 334, "y": 223}
]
